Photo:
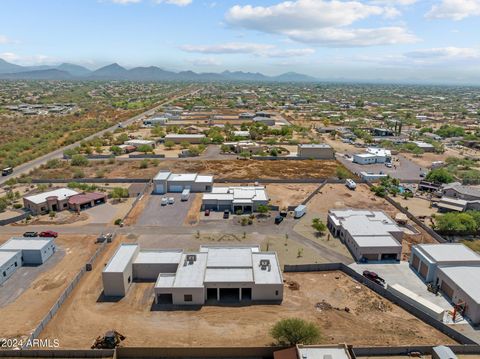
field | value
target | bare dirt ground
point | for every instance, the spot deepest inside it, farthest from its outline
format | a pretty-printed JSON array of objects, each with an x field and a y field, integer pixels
[
  {"x": 284, "y": 195},
  {"x": 371, "y": 320},
  {"x": 20, "y": 317},
  {"x": 338, "y": 196},
  {"x": 426, "y": 159},
  {"x": 193, "y": 215},
  {"x": 235, "y": 169}
]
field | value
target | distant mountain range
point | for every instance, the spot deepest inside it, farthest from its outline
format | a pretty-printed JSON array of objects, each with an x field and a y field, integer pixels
[{"x": 114, "y": 71}]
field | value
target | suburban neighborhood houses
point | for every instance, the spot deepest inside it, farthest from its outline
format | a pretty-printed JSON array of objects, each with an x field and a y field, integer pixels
[{"x": 228, "y": 211}]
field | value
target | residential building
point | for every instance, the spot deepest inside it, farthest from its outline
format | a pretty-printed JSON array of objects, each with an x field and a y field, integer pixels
[
  {"x": 424, "y": 146},
  {"x": 166, "y": 181},
  {"x": 244, "y": 199},
  {"x": 213, "y": 274},
  {"x": 301, "y": 351},
  {"x": 373, "y": 155},
  {"x": 139, "y": 142},
  {"x": 316, "y": 151},
  {"x": 369, "y": 235},
  {"x": 62, "y": 199}
]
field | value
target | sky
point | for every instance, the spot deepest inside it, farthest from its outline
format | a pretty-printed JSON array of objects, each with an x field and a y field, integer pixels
[{"x": 424, "y": 40}]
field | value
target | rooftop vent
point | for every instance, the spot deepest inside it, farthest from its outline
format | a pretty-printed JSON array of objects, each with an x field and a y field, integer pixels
[
  {"x": 191, "y": 258},
  {"x": 265, "y": 264}
]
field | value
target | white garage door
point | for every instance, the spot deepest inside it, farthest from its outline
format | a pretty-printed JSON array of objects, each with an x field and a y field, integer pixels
[
  {"x": 159, "y": 188},
  {"x": 176, "y": 188}
]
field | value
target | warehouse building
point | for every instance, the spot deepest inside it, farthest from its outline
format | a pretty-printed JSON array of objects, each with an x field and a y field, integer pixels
[
  {"x": 166, "y": 181},
  {"x": 425, "y": 259},
  {"x": 235, "y": 199},
  {"x": 35, "y": 251},
  {"x": 190, "y": 138},
  {"x": 460, "y": 284},
  {"x": 316, "y": 151},
  {"x": 369, "y": 235},
  {"x": 215, "y": 273},
  {"x": 19, "y": 251},
  {"x": 9, "y": 262}
]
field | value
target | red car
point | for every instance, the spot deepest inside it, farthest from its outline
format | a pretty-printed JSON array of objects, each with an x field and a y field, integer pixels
[
  {"x": 50, "y": 234},
  {"x": 207, "y": 212}
]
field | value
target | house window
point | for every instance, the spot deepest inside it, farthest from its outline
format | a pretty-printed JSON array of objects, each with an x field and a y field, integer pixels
[
  {"x": 129, "y": 279},
  {"x": 16, "y": 264},
  {"x": 4, "y": 274},
  {"x": 188, "y": 298},
  {"x": 276, "y": 292},
  {"x": 65, "y": 205}
]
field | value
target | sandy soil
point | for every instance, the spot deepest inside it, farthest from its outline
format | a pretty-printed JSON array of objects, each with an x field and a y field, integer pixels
[
  {"x": 284, "y": 195},
  {"x": 29, "y": 308},
  {"x": 193, "y": 215},
  {"x": 339, "y": 196},
  {"x": 240, "y": 326},
  {"x": 235, "y": 169}
]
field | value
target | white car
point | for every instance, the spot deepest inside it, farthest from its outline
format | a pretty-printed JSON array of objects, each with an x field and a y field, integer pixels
[
  {"x": 350, "y": 184},
  {"x": 388, "y": 164},
  {"x": 164, "y": 201},
  {"x": 171, "y": 200}
]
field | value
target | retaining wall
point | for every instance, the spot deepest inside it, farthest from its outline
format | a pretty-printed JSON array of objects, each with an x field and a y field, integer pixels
[
  {"x": 20, "y": 217},
  {"x": 197, "y": 352}
]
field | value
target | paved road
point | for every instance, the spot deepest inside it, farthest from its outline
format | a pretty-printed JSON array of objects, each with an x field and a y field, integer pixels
[{"x": 29, "y": 166}]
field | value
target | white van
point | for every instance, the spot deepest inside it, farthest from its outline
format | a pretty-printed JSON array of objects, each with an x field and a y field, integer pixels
[
  {"x": 350, "y": 184},
  {"x": 300, "y": 211},
  {"x": 185, "y": 195}
]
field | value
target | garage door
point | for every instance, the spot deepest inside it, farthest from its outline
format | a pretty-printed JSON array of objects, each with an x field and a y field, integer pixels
[
  {"x": 446, "y": 289},
  {"x": 415, "y": 262},
  {"x": 159, "y": 188},
  {"x": 423, "y": 270},
  {"x": 371, "y": 256},
  {"x": 176, "y": 188}
]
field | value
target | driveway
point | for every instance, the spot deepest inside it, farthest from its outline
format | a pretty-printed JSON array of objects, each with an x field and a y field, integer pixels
[
  {"x": 155, "y": 214},
  {"x": 402, "y": 274}
]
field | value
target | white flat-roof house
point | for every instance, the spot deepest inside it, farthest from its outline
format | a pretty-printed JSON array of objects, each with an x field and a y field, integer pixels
[
  {"x": 369, "y": 235},
  {"x": 216, "y": 273},
  {"x": 166, "y": 181},
  {"x": 372, "y": 155},
  {"x": 243, "y": 199},
  {"x": 18, "y": 251},
  {"x": 455, "y": 270},
  {"x": 140, "y": 142}
]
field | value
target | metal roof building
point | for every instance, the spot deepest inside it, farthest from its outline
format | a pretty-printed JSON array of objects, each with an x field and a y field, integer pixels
[
  {"x": 245, "y": 199},
  {"x": 369, "y": 235},
  {"x": 166, "y": 181}
]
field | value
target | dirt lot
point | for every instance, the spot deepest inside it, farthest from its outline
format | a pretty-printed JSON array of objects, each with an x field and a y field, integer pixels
[
  {"x": 284, "y": 195},
  {"x": 370, "y": 321},
  {"x": 339, "y": 196},
  {"x": 23, "y": 314},
  {"x": 236, "y": 169}
]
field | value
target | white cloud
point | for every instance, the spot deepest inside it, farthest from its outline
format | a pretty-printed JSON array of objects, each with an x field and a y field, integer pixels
[
  {"x": 454, "y": 9},
  {"x": 175, "y": 2},
  {"x": 263, "y": 50},
  {"x": 321, "y": 22},
  {"x": 205, "y": 61},
  {"x": 394, "y": 2},
  {"x": 124, "y": 2},
  {"x": 445, "y": 53},
  {"x": 28, "y": 60}
]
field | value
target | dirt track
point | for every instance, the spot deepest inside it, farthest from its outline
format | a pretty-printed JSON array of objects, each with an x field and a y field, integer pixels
[{"x": 371, "y": 320}]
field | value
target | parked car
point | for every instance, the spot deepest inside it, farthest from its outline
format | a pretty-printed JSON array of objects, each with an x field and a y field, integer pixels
[
  {"x": 50, "y": 234},
  {"x": 164, "y": 201},
  {"x": 388, "y": 164},
  {"x": 7, "y": 171},
  {"x": 278, "y": 219},
  {"x": 226, "y": 214},
  {"x": 374, "y": 277},
  {"x": 284, "y": 214},
  {"x": 30, "y": 234},
  {"x": 171, "y": 200},
  {"x": 350, "y": 184},
  {"x": 423, "y": 174}
]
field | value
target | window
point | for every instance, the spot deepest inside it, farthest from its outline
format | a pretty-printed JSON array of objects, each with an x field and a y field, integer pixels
[
  {"x": 187, "y": 298},
  {"x": 16, "y": 265},
  {"x": 129, "y": 279},
  {"x": 4, "y": 274},
  {"x": 65, "y": 205},
  {"x": 276, "y": 292}
]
